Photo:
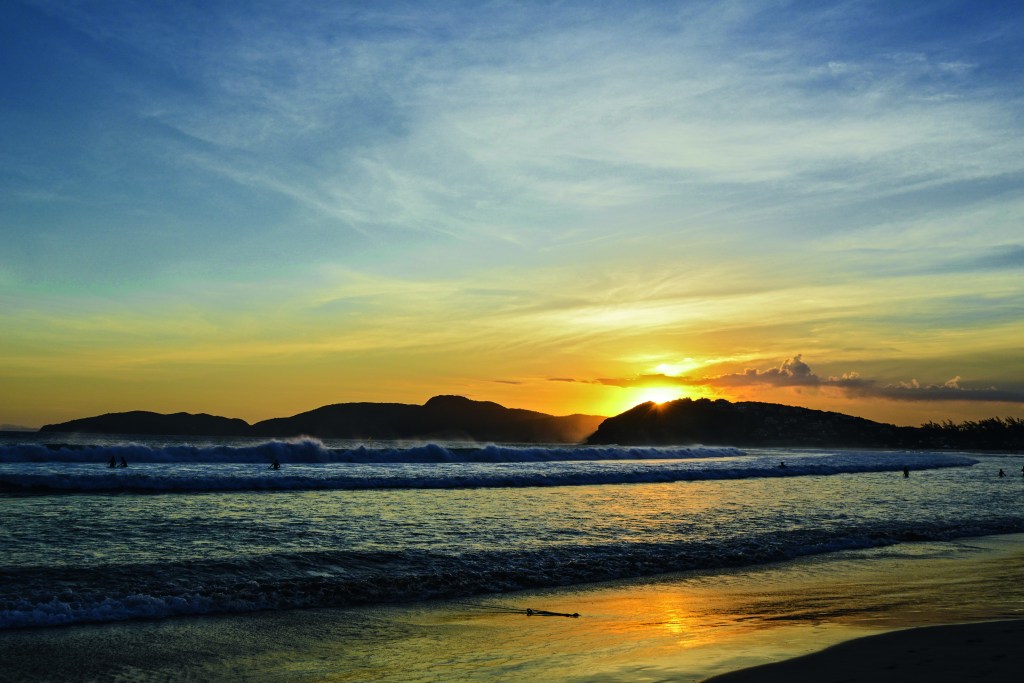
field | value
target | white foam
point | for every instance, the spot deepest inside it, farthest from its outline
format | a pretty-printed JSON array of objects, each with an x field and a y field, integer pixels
[{"x": 309, "y": 466}]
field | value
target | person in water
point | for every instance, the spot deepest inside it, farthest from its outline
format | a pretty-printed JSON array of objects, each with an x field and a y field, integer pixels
[
  {"x": 1001, "y": 473},
  {"x": 275, "y": 465},
  {"x": 112, "y": 463},
  {"x": 124, "y": 463},
  {"x": 906, "y": 472},
  {"x": 782, "y": 465}
]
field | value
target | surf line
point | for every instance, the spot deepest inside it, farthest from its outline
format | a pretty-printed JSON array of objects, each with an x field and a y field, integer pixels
[{"x": 529, "y": 611}]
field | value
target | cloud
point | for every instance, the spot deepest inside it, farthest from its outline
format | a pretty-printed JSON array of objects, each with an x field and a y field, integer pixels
[
  {"x": 949, "y": 391},
  {"x": 794, "y": 372}
]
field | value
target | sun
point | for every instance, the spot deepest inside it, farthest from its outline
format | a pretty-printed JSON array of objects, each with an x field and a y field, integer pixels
[
  {"x": 631, "y": 397},
  {"x": 659, "y": 394}
]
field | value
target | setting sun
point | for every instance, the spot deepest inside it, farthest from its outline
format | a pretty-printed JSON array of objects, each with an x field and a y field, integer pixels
[{"x": 659, "y": 394}]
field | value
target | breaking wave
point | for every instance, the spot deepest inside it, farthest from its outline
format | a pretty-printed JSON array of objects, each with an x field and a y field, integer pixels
[
  {"x": 309, "y": 466},
  {"x": 314, "y": 451}
]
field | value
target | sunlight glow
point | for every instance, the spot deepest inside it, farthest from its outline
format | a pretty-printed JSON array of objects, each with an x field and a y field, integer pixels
[
  {"x": 660, "y": 394},
  {"x": 677, "y": 369}
]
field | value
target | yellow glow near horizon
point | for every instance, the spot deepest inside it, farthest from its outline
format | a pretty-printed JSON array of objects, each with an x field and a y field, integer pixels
[
  {"x": 659, "y": 394},
  {"x": 677, "y": 369}
]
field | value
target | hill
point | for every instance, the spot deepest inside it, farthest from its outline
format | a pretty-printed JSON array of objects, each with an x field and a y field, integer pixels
[
  {"x": 442, "y": 417},
  {"x": 720, "y": 422},
  {"x": 146, "y": 423},
  {"x": 686, "y": 421}
]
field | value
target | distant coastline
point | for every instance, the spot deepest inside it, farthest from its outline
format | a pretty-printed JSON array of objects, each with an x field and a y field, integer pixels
[
  {"x": 15, "y": 428},
  {"x": 442, "y": 417},
  {"x": 680, "y": 422},
  {"x": 771, "y": 424}
]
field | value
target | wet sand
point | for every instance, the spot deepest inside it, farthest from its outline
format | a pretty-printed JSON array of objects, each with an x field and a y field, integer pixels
[
  {"x": 685, "y": 627},
  {"x": 939, "y": 654}
]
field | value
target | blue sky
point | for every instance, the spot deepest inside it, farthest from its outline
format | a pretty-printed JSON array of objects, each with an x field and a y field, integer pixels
[{"x": 257, "y": 208}]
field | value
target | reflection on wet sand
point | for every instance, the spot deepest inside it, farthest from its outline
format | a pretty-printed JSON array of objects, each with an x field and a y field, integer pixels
[{"x": 682, "y": 627}]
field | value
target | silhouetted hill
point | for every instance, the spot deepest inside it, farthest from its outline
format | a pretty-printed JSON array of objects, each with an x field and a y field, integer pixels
[
  {"x": 769, "y": 424},
  {"x": 143, "y": 422},
  {"x": 686, "y": 421},
  {"x": 6, "y": 427},
  {"x": 346, "y": 420},
  {"x": 442, "y": 417}
]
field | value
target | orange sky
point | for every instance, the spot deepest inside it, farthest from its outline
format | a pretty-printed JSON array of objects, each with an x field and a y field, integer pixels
[{"x": 558, "y": 208}]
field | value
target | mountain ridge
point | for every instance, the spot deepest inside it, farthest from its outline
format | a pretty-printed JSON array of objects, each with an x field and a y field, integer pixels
[
  {"x": 681, "y": 422},
  {"x": 749, "y": 423},
  {"x": 441, "y": 417}
]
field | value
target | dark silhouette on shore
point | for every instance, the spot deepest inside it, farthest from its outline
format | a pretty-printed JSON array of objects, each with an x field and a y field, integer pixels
[
  {"x": 144, "y": 422},
  {"x": 442, "y": 417},
  {"x": 680, "y": 422},
  {"x": 994, "y": 433},
  {"x": 722, "y": 422}
]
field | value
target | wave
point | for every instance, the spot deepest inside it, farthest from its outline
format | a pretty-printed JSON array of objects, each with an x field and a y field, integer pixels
[
  {"x": 347, "y": 578},
  {"x": 314, "y": 451},
  {"x": 615, "y": 467}
]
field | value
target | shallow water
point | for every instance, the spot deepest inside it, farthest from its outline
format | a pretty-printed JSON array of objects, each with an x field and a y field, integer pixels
[
  {"x": 188, "y": 532},
  {"x": 681, "y": 627}
]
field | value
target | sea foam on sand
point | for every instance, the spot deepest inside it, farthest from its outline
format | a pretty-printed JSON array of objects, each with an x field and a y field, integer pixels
[{"x": 684, "y": 627}]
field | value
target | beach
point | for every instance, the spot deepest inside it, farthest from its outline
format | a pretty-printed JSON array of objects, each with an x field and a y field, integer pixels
[
  {"x": 683, "y": 627},
  {"x": 939, "y": 654},
  {"x": 434, "y": 562}
]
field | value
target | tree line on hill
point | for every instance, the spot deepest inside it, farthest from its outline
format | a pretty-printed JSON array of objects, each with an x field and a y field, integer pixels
[{"x": 994, "y": 433}]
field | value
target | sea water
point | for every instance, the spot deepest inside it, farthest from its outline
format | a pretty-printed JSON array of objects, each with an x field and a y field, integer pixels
[{"x": 204, "y": 527}]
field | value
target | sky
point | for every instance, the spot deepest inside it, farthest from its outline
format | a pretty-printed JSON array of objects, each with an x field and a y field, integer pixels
[{"x": 255, "y": 209}]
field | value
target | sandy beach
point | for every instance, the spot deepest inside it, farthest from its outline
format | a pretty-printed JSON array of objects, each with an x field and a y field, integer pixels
[
  {"x": 939, "y": 654},
  {"x": 686, "y": 627}
]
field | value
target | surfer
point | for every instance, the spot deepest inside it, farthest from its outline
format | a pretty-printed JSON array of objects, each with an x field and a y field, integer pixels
[
  {"x": 112, "y": 463},
  {"x": 124, "y": 463}
]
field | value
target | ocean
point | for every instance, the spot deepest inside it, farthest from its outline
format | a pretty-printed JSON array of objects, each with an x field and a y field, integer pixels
[{"x": 201, "y": 527}]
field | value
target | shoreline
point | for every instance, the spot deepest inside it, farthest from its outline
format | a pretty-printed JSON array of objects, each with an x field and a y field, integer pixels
[
  {"x": 937, "y": 654},
  {"x": 685, "y": 627}
]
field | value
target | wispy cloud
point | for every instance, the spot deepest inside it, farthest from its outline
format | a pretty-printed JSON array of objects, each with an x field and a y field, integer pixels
[{"x": 552, "y": 190}]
